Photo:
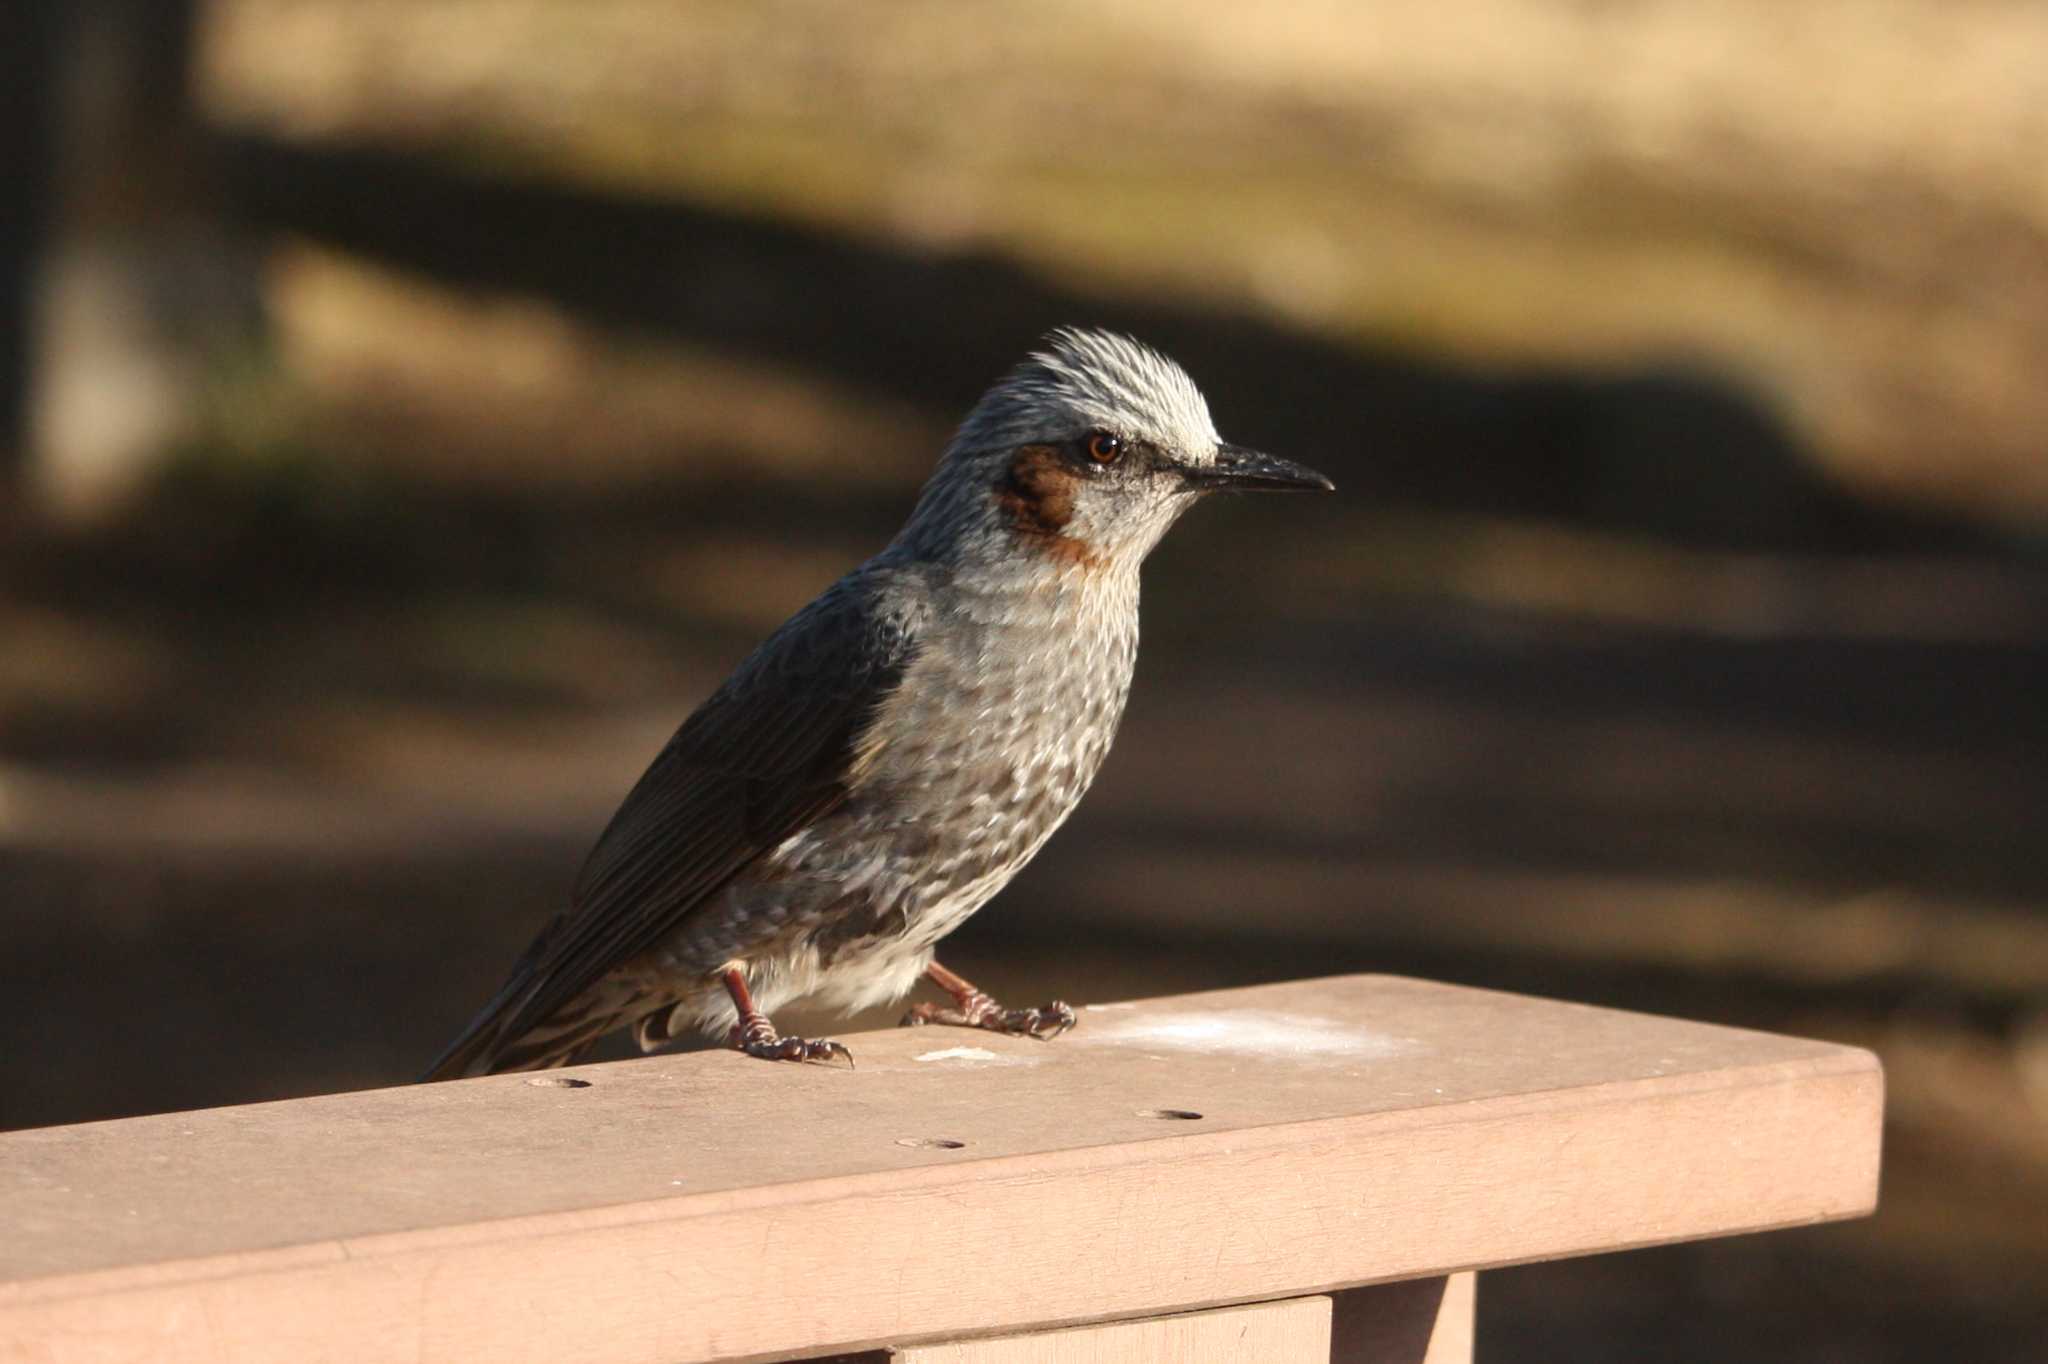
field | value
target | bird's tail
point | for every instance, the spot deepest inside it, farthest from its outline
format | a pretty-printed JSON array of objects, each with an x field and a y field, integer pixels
[
  {"x": 484, "y": 1049},
  {"x": 485, "y": 1052},
  {"x": 488, "y": 1046}
]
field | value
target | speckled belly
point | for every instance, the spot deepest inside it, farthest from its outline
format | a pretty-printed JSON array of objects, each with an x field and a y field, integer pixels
[{"x": 979, "y": 757}]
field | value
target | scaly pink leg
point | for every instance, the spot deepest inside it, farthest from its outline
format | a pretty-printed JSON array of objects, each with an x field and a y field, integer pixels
[
  {"x": 973, "y": 1009},
  {"x": 756, "y": 1036}
]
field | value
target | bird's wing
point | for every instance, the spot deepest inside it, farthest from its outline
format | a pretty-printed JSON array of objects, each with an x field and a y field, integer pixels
[{"x": 773, "y": 750}]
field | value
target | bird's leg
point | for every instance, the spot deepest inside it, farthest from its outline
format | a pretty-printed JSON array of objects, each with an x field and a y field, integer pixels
[
  {"x": 973, "y": 1009},
  {"x": 755, "y": 1035}
]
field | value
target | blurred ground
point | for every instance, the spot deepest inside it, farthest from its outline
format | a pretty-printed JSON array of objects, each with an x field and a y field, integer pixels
[
  {"x": 296, "y": 759},
  {"x": 1685, "y": 665},
  {"x": 1837, "y": 203}
]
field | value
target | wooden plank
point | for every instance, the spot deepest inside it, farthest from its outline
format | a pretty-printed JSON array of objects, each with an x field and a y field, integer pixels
[
  {"x": 1410, "y": 1322},
  {"x": 1296, "y": 1331},
  {"x": 710, "y": 1207},
  {"x": 1451, "y": 1342},
  {"x": 1415, "y": 1321}
]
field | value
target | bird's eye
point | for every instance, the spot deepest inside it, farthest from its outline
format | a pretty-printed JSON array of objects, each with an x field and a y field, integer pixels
[{"x": 1104, "y": 448}]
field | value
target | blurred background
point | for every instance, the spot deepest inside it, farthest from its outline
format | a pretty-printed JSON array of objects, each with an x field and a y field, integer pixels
[{"x": 409, "y": 411}]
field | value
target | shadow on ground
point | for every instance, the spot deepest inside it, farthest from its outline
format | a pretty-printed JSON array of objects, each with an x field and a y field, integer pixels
[{"x": 1663, "y": 449}]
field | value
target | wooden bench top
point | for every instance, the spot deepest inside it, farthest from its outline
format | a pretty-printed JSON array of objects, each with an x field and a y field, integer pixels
[{"x": 1166, "y": 1155}]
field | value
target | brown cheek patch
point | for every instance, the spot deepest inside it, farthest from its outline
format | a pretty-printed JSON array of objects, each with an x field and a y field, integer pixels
[{"x": 1037, "y": 494}]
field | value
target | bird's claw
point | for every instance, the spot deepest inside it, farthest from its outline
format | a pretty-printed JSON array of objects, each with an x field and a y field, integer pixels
[
  {"x": 798, "y": 1049},
  {"x": 773, "y": 1048},
  {"x": 1044, "y": 1022}
]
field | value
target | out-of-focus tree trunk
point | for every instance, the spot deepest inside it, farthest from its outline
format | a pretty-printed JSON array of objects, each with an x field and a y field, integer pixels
[
  {"x": 28, "y": 44},
  {"x": 134, "y": 284}
]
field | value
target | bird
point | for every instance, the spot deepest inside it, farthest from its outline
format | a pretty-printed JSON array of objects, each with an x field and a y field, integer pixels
[{"x": 892, "y": 755}]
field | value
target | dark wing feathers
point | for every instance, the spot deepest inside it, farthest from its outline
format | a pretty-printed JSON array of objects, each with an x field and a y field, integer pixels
[{"x": 767, "y": 755}]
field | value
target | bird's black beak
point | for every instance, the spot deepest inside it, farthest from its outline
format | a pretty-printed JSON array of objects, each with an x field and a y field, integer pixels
[{"x": 1238, "y": 470}]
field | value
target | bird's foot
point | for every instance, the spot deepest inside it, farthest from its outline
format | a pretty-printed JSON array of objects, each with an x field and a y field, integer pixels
[
  {"x": 976, "y": 1010},
  {"x": 756, "y": 1036}
]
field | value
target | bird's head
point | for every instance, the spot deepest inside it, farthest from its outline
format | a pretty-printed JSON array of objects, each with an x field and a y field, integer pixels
[{"x": 1083, "y": 456}]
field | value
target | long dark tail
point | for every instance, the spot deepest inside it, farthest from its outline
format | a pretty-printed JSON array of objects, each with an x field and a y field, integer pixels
[{"x": 485, "y": 1047}]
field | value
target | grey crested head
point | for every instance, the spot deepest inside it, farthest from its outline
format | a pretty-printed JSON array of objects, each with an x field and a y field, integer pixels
[{"x": 1082, "y": 457}]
